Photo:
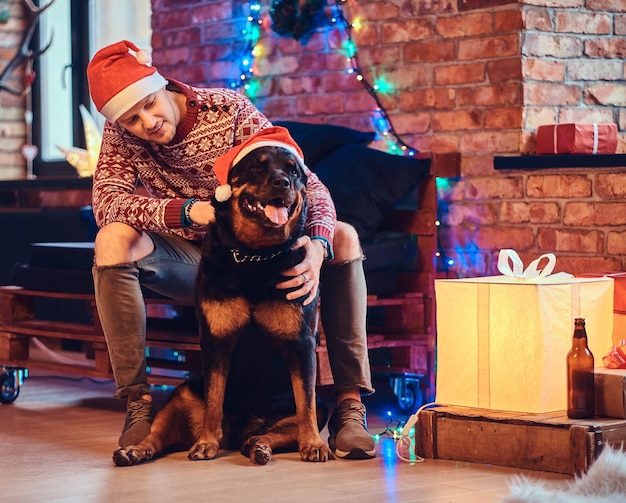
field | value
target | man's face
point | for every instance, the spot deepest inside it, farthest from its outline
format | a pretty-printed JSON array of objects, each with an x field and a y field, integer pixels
[{"x": 154, "y": 118}]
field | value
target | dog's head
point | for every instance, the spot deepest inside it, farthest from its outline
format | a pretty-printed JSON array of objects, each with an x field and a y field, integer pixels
[{"x": 268, "y": 203}]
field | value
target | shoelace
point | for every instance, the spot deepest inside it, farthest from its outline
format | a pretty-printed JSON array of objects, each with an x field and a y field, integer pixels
[
  {"x": 354, "y": 412},
  {"x": 139, "y": 412}
]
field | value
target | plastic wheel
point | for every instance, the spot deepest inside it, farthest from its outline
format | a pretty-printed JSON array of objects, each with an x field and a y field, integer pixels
[
  {"x": 8, "y": 390},
  {"x": 412, "y": 398}
]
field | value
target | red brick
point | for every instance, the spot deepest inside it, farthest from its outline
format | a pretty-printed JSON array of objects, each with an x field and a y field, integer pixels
[
  {"x": 429, "y": 52},
  {"x": 504, "y": 70},
  {"x": 460, "y": 74},
  {"x": 580, "y": 22},
  {"x": 366, "y": 36},
  {"x": 606, "y": 94},
  {"x": 477, "y": 165},
  {"x": 503, "y": 118},
  {"x": 537, "y": 18},
  {"x": 605, "y": 5},
  {"x": 377, "y": 56},
  {"x": 457, "y": 120},
  {"x": 212, "y": 12},
  {"x": 538, "y": 69},
  {"x": 486, "y": 141},
  {"x": 427, "y": 98},
  {"x": 576, "y": 264},
  {"x": 577, "y": 114},
  {"x": 486, "y": 188},
  {"x": 406, "y": 31},
  {"x": 501, "y": 236},
  {"x": 616, "y": 243},
  {"x": 611, "y": 185},
  {"x": 544, "y": 45},
  {"x": 483, "y": 214},
  {"x": 508, "y": 20},
  {"x": 558, "y": 186},
  {"x": 594, "y": 214},
  {"x": 465, "y": 25},
  {"x": 595, "y": 70},
  {"x": 490, "y": 47},
  {"x": 619, "y": 22},
  {"x": 580, "y": 241},
  {"x": 502, "y": 94},
  {"x": 551, "y": 94}
]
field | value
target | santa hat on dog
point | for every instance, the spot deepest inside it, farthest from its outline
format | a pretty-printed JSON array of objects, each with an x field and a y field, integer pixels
[
  {"x": 120, "y": 76},
  {"x": 275, "y": 136}
]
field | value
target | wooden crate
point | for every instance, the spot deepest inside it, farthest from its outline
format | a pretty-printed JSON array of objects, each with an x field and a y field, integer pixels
[{"x": 548, "y": 442}]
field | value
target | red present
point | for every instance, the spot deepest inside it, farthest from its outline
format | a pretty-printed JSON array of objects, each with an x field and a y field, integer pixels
[{"x": 577, "y": 139}]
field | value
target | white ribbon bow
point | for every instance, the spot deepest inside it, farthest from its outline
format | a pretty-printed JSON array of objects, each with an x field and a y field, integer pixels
[{"x": 506, "y": 257}]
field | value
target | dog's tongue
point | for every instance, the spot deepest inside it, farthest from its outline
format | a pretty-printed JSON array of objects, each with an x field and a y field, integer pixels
[{"x": 276, "y": 214}]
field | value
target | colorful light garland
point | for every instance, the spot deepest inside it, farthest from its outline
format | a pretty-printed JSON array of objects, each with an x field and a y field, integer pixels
[{"x": 381, "y": 120}]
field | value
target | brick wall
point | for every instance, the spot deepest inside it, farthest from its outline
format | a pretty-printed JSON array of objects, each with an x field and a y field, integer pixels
[{"x": 475, "y": 77}]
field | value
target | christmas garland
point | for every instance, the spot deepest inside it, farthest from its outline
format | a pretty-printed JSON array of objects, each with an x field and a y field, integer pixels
[{"x": 297, "y": 19}]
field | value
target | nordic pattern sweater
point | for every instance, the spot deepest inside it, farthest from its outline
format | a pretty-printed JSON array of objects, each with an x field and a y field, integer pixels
[{"x": 216, "y": 120}]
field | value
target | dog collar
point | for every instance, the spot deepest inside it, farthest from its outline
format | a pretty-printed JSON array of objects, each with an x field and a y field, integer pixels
[{"x": 239, "y": 257}]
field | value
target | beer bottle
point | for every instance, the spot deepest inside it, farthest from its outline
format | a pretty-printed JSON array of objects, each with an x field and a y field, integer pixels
[{"x": 580, "y": 385}]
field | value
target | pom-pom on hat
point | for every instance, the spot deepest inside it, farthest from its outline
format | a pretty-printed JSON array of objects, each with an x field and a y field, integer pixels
[
  {"x": 120, "y": 76},
  {"x": 275, "y": 136}
]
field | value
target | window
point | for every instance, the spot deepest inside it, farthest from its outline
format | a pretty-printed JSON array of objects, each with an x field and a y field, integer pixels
[{"x": 78, "y": 28}]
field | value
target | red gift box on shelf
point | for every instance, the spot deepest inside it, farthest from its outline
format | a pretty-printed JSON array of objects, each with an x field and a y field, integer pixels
[{"x": 577, "y": 139}]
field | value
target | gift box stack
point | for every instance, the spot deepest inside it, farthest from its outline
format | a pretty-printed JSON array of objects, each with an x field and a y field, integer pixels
[
  {"x": 610, "y": 372},
  {"x": 503, "y": 340}
]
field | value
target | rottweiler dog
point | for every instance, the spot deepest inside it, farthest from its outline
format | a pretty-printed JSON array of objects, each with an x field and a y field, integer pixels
[{"x": 258, "y": 349}]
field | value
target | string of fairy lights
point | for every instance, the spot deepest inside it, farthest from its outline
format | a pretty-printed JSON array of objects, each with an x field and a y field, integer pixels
[{"x": 380, "y": 119}]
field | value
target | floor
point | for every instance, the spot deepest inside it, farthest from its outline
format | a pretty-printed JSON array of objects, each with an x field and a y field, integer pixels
[{"x": 58, "y": 436}]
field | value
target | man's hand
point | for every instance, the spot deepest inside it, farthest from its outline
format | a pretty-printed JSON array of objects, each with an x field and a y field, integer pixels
[
  {"x": 202, "y": 213},
  {"x": 306, "y": 274}
]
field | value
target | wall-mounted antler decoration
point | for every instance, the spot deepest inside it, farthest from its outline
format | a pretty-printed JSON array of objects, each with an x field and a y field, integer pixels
[{"x": 24, "y": 54}]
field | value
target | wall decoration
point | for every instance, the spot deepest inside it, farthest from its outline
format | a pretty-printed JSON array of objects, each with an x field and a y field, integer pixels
[{"x": 297, "y": 19}]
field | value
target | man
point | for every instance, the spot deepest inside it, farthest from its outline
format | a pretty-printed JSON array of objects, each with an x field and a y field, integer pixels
[{"x": 167, "y": 135}]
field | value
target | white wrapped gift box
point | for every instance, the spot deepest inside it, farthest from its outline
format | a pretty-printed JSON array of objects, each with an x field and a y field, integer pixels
[{"x": 502, "y": 341}]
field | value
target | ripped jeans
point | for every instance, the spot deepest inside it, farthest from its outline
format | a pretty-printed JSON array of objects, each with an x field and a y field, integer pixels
[{"x": 170, "y": 270}]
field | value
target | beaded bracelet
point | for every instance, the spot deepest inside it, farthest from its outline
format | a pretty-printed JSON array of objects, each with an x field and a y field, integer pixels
[{"x": 185, "y": 218}]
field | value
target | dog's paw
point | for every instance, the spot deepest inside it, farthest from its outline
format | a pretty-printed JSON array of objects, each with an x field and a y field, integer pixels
[
  {"x": 259, "y": 452},
  {"x": 317, "y": 452},
  {"x": 203, "y": 450},
  {"x": 131, "y": 456}
]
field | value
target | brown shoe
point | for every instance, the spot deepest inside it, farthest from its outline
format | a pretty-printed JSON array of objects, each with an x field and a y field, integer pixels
[
  {"x": 349, "y": 437},
  {"x": 139, "y": 416}
]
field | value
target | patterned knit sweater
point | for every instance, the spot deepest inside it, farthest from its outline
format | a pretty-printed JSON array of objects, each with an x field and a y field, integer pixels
[{"x": 216, "y": 120}]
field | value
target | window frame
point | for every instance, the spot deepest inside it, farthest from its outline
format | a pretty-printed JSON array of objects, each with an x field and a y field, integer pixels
[{"x": 79, "y": 20}]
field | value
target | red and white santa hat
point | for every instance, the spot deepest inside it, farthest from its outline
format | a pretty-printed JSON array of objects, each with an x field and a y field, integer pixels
[
  {"x": 275, "y": 136},
  {"x": 120, "y": 76}
]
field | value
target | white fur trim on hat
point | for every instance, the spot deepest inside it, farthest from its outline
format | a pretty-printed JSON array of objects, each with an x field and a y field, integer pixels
[
  {"x": 267, "y": 143},
  {"x": 131, "y": 95},
  {"x": 223, "y": 193}
]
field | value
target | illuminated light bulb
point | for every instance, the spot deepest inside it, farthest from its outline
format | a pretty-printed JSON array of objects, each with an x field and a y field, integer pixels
[
  {"x": 359, "y": 77},
  {"x": 437, "y": 253},
  {"x": 437, "y": 223},
  {"x": 450, "y": 262}
]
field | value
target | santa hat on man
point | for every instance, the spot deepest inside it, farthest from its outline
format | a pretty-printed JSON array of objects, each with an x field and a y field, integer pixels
[
  {"x": 120, "y": 76},
  {"x": 275, "y": 136}
]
